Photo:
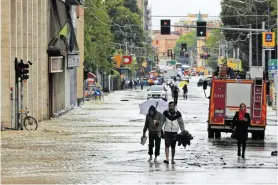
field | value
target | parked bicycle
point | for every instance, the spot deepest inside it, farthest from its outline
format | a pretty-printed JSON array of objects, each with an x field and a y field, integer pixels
[{"x": 29, "y": 122}]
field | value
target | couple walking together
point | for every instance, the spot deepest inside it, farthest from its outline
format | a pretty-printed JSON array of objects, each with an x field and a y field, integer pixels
[{"x": 172, "y": 121}]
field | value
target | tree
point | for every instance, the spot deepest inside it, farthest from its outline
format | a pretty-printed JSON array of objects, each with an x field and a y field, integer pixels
[
  {"x": 132, "y": 6},
  {"x": 127, "y": 24},
  {"x": 98, "y": 37},
  {"x": 214, "y": 40},
  {"x": 233, "y": 14}
]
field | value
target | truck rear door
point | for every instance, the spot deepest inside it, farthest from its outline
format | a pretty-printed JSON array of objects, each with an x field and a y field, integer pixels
[{"x": 237, "y": 93}]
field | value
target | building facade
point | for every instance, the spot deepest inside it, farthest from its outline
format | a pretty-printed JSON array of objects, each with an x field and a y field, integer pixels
[
  {"x": 32, "y": 31},
  {"x": 164, "y": 42}
]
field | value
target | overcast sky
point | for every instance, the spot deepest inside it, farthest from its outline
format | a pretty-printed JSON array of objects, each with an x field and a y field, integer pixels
[{"x": 182, "y": 8}]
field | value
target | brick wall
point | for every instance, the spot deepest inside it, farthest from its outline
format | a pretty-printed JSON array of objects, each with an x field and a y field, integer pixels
[{"x": 24, "y": 35}]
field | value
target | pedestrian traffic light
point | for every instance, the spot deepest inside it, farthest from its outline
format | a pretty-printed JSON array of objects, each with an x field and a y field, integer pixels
[
  {"x": 201, "y": 29},
  {"x": 165, "y": 27},
  {"x": 169, "y": 53}
]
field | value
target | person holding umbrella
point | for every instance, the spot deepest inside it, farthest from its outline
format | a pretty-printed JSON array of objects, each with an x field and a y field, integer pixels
[{"x": 153, "y": 123}]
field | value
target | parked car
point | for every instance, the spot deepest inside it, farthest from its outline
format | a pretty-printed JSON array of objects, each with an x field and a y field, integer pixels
[
  {"x": 157, "y": 91},
  {"x": 200, "y": 82}
]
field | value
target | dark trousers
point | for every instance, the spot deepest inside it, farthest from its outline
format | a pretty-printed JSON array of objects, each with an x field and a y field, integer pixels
[
  {"x": 154, "y": 140},
  {"x": 239, "y": 143},
  {"x": 176, "y": 100}
]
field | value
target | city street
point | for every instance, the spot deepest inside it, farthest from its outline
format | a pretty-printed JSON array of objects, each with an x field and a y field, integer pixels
[{"x": 99, "y": 143}]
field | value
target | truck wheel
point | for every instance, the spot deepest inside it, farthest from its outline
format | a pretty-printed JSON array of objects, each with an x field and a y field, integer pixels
[
  {"x": 210, "y": 133},
  {"x": 218, "y": 134}
]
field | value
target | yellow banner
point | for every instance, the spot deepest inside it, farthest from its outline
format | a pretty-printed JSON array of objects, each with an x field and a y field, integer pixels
[{"x": 118, "y": 59}]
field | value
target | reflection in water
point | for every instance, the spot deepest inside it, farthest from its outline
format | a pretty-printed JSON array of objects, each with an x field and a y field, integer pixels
[{"x": 173, "y": 167}]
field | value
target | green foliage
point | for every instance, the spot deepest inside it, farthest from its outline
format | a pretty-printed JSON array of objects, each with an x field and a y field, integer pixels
[
  {"x": 214, "y": 40},
  {"x": 124, "y": 14},
  {"x": 230, "y": 17},
  {"x": 132, "y": 6},
  {"x": 97, "y": 28},
  {"x": 101, "y": 20}
]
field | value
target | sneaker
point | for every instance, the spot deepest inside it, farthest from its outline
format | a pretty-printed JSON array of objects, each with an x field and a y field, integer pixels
[
  {"x": 173, "y": 162},
  {"x": 166, "y": 162},
  {"x": 155, "y": 160},
  {"x": 150, "y": 159}
]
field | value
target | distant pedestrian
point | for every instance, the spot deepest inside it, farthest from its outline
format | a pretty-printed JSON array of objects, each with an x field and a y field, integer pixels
[
  {"x": 185, "y": 90},
  {"x": 153, "y": 123},
  {"x": 142, "y": 84},
  {"x": 130, "y": 84},
  {"x": 176, "y": 94},
  {"x": 241, "y": 121},
  {"x": 172, "y": 123}
]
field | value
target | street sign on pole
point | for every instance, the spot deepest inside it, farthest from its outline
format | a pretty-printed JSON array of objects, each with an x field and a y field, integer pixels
[{"x": 268, "y": 39}]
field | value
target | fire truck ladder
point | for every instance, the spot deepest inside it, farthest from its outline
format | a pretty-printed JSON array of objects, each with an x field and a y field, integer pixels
[{"x": 257, "y": 103}]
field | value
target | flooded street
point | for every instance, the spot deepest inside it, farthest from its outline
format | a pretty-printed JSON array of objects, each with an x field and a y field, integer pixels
[{"x": 99, "y": 143}]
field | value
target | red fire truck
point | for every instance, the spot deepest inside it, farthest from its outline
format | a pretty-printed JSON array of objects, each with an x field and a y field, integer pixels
[{"x": 227, "y": 94}]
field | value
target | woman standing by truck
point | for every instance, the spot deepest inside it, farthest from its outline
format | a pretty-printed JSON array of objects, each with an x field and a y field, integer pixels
[{"x": 241, "y": 121}]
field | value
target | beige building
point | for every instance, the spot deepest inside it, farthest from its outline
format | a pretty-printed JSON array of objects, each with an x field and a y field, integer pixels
[
  {"x": 24, "y": 36},
  {"x": 28, "y": 28},
  {"x": 164, "y": 42}
]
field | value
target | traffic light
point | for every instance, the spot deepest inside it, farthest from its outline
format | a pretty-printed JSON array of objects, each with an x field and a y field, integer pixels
[
  {"x": 169, "y": 53},
  {"x": 184, "y": 47},
  {"x": 201, "y": 29},
  {"x": 165, "y": 27},
  {"x": 24, "y": 70},
  {"x": 21, "y": 70}
]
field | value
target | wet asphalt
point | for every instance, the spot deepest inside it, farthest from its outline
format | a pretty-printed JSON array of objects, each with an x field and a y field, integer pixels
[{"x": 99, "y": 143}]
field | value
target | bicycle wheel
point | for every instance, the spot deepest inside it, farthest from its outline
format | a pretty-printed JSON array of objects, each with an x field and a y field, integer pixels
[{"x": 30, "y": 123}]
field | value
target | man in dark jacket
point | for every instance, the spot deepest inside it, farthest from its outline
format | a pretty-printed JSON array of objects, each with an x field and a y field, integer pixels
[{"x": 153, "y": 123}]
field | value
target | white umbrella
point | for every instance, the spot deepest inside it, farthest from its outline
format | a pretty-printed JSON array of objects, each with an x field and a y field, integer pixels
[{"x": 160, "y": 105}]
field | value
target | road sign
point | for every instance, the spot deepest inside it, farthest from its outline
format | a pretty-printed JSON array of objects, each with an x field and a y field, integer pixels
[
  {"x": 272, "y": 67},
  {"x": 201, "y": 29},
  {"x": 268, "y": 39},
  {"x": 272, "y": 62}
]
